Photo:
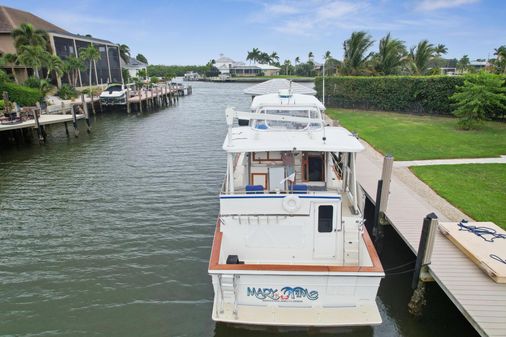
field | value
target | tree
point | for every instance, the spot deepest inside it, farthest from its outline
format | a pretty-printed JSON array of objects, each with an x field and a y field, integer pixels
[
  {"x": 478, "y": 99},
  {"x": 310, "y": 56},
  {"x": 463, "y": 64},
  {"x": 27, "y": 35},
  {"x": 355, "y": 53},
  {"x": 297, "y": 60},
  {"x": 92, "y": 55},
  {"x": 420, "y": 56},
  {"x": 440, "y": 49},
  {"x": 54, "y": 64},
  {"x": 10, "y": 59},
  {"x": 274, "y": 58},
  {"x": 124, "y": 52},
  {"x": 500, "y": 61},
  {"x": 141, "y": 58},
  {"x": 32, "y": 56},
  {"x": 286, "y": 67},
  {"x": 72, "y": 66},
  {"x": 327, "y": 55},
  {"x": 390, "y": 57}
]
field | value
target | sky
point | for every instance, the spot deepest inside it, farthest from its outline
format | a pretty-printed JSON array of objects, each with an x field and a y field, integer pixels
[{"x": 188, "y": 32}]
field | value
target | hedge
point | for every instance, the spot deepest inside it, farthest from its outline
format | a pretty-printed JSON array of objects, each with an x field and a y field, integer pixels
[
  {"x": 413, "y": 94},
  {"x": 22, "y": 95}
]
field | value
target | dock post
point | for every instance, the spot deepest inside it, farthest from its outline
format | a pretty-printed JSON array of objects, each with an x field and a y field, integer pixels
[
  {"x": 37, "y": 124},
  {"x": 74, "y": 121},
  {"x": 140, "y": 100},
  {"x": 128, "y": 100},
  {"x": 377, "y": 231},
  {"x": 386, "y": 177},
  {"x": 86, "y": 114},
  {"x": 152, "y": 100},
  {"x": 66, "y": 129},
  {"x": 92, "y": 103},
  {"x": 423, "y": 259}
]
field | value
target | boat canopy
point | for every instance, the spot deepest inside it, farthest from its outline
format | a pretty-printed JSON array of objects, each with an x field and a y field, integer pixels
[
  {"x": 284, "y": 98},
  {"x": 326, "y": 139},
  {"x": 274, "y": 85}
]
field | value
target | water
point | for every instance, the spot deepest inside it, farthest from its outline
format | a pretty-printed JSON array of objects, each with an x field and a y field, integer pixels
[{"x": 109, "y": 234}]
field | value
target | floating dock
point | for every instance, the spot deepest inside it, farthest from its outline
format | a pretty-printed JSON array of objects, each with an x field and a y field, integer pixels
[{"x": 481, "y": 300}]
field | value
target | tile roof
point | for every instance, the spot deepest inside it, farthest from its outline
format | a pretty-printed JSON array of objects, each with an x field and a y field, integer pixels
[{"x": 11, "y": 18}]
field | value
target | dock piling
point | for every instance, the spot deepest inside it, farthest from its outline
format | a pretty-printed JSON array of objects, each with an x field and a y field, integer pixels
[
  {"x": 86, "y": 114},
  {"x": 386, "y": 177},
  {"x": 423, "y": 259},
  {"x": 128, "y": 99},
  {"x": 74, "y": 122},
  {"x": 36, "y": 112}
]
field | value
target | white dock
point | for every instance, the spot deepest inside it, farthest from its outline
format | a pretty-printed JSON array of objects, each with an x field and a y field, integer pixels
[
  {"x": 43, "y": 120},
  {"x": 476, "y": 295}
]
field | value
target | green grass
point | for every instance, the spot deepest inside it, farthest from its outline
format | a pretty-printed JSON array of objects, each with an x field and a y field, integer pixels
[
  {"x": 479, "y": 190},
  {"x": 411, "y": 137}
]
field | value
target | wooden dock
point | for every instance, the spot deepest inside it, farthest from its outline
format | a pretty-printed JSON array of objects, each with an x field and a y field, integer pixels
[
  {"x": 475, "y": 294},
  {"x": 43, "y": 120}
]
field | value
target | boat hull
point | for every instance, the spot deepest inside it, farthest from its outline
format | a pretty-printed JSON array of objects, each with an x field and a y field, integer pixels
[{"x": 296, "y": 300}]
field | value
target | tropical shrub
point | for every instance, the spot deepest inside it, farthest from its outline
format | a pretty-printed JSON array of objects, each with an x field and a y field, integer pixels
[
  {"x": 67, "y": 92},
  {"x": 22, "y": 95},
  {"x": 481, "y": 97},
  {"x": 2, "y": 104},
  {"x": 412, "y": 94},
  {"x": 32, "y": 82}
]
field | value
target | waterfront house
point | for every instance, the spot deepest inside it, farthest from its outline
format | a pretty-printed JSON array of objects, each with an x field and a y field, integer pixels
[
  {"x": 229, "y": 67},
  {"x": 63, "y": 44},
  {"x": 134, "y": 66}
]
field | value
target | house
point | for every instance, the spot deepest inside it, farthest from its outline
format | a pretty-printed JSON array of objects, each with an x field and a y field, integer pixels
[
  {"x": 229, "y": 67},
  {"x": 134, "y": 66},
  {"x": 63, "y": 44}
]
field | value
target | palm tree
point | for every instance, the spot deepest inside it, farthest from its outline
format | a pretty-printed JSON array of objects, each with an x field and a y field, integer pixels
[
  {"x": 440, "y": 49},
  {"x": 10, "y": 59},
  {"x": 274, "y": 57},
  {"x": 90, "y": 54},
  {"x": 310, "y": 56},
  {"x": 54, "y": 63},
  {"x": 72, "y": 66},
  {"x": 255, "y": 55},
  {"x": 287, "y": 64},
  {"x": 27, "y": 35},
  {"x": 355, "y": 49},
  {"x": 500, "y": 62},
  {"x": 391, "y": 55},
  {"x": 463, "y": 64},
  {"x": 327, "y": 55},
  {"x": 297, "y": 60},
  {"x": 33, "y": 57},
  {"x": 124, "y": 52},
  {"x": 420, "y": 56}
]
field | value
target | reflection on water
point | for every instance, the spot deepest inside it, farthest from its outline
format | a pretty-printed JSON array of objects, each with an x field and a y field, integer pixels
[{"x": 109, "y": 234}]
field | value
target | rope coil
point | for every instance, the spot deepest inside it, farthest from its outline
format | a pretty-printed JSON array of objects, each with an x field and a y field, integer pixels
[{"x": 481, "y": 231}]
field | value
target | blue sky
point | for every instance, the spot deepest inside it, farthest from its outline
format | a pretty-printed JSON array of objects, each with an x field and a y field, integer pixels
[{"x": 193, "y": 32}]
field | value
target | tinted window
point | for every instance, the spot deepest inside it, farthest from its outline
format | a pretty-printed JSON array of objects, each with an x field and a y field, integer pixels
[{"x": 325, "y": 215}]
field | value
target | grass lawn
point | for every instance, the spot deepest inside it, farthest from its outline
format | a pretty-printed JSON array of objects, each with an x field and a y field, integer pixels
[
  {"x": 411, "y": 137},
  {"x": 478, "y": 190}
]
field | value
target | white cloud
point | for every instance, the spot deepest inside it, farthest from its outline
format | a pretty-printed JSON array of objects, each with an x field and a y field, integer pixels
[{"x": 430, "y": 5}]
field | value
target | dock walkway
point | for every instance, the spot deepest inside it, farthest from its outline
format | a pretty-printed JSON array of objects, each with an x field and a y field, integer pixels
[
  {"x": 43, "y": 120},
  {"x": 478, "y": 297}
]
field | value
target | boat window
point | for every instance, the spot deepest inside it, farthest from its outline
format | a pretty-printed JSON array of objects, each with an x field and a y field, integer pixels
[
  {"x": 302, "y": 112},
  {"x": 325, "y": 216},
  {"x": 114, "y": 88}
]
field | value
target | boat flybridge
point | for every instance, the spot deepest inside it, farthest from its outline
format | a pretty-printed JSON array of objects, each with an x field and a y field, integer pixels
[{"x": 290, "y": 247}]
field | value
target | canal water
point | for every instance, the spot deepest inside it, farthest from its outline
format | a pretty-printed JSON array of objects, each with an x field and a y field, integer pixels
[{"x": 109, "y": 234}]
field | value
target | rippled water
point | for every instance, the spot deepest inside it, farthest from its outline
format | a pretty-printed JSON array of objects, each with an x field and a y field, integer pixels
[{"x": 109, "y": 234}]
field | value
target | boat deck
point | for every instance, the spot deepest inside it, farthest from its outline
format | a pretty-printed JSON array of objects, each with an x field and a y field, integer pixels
[{"x": 477, "y": 296}]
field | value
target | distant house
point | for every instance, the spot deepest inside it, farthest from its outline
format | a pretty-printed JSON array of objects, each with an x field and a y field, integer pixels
[
  {"x": 134, "y": 66},
  {"x": 229, "y": 67},
  {"x": 63, "y": 44},
  {"x": 478, "y": 65}
]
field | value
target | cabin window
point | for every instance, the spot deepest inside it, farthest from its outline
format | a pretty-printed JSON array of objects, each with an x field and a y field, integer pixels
[{"x": 325, "y": 217}]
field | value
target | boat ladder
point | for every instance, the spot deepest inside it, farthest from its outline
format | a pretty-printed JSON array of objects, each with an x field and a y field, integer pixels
[{"x": 228, "y": 287}]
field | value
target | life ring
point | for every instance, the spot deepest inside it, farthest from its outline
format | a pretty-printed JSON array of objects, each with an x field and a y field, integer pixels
[{"x": 291, "y": 203}]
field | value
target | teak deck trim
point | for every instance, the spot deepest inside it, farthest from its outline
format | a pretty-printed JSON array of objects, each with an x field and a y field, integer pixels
[{"x": 215, "y": 258}]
